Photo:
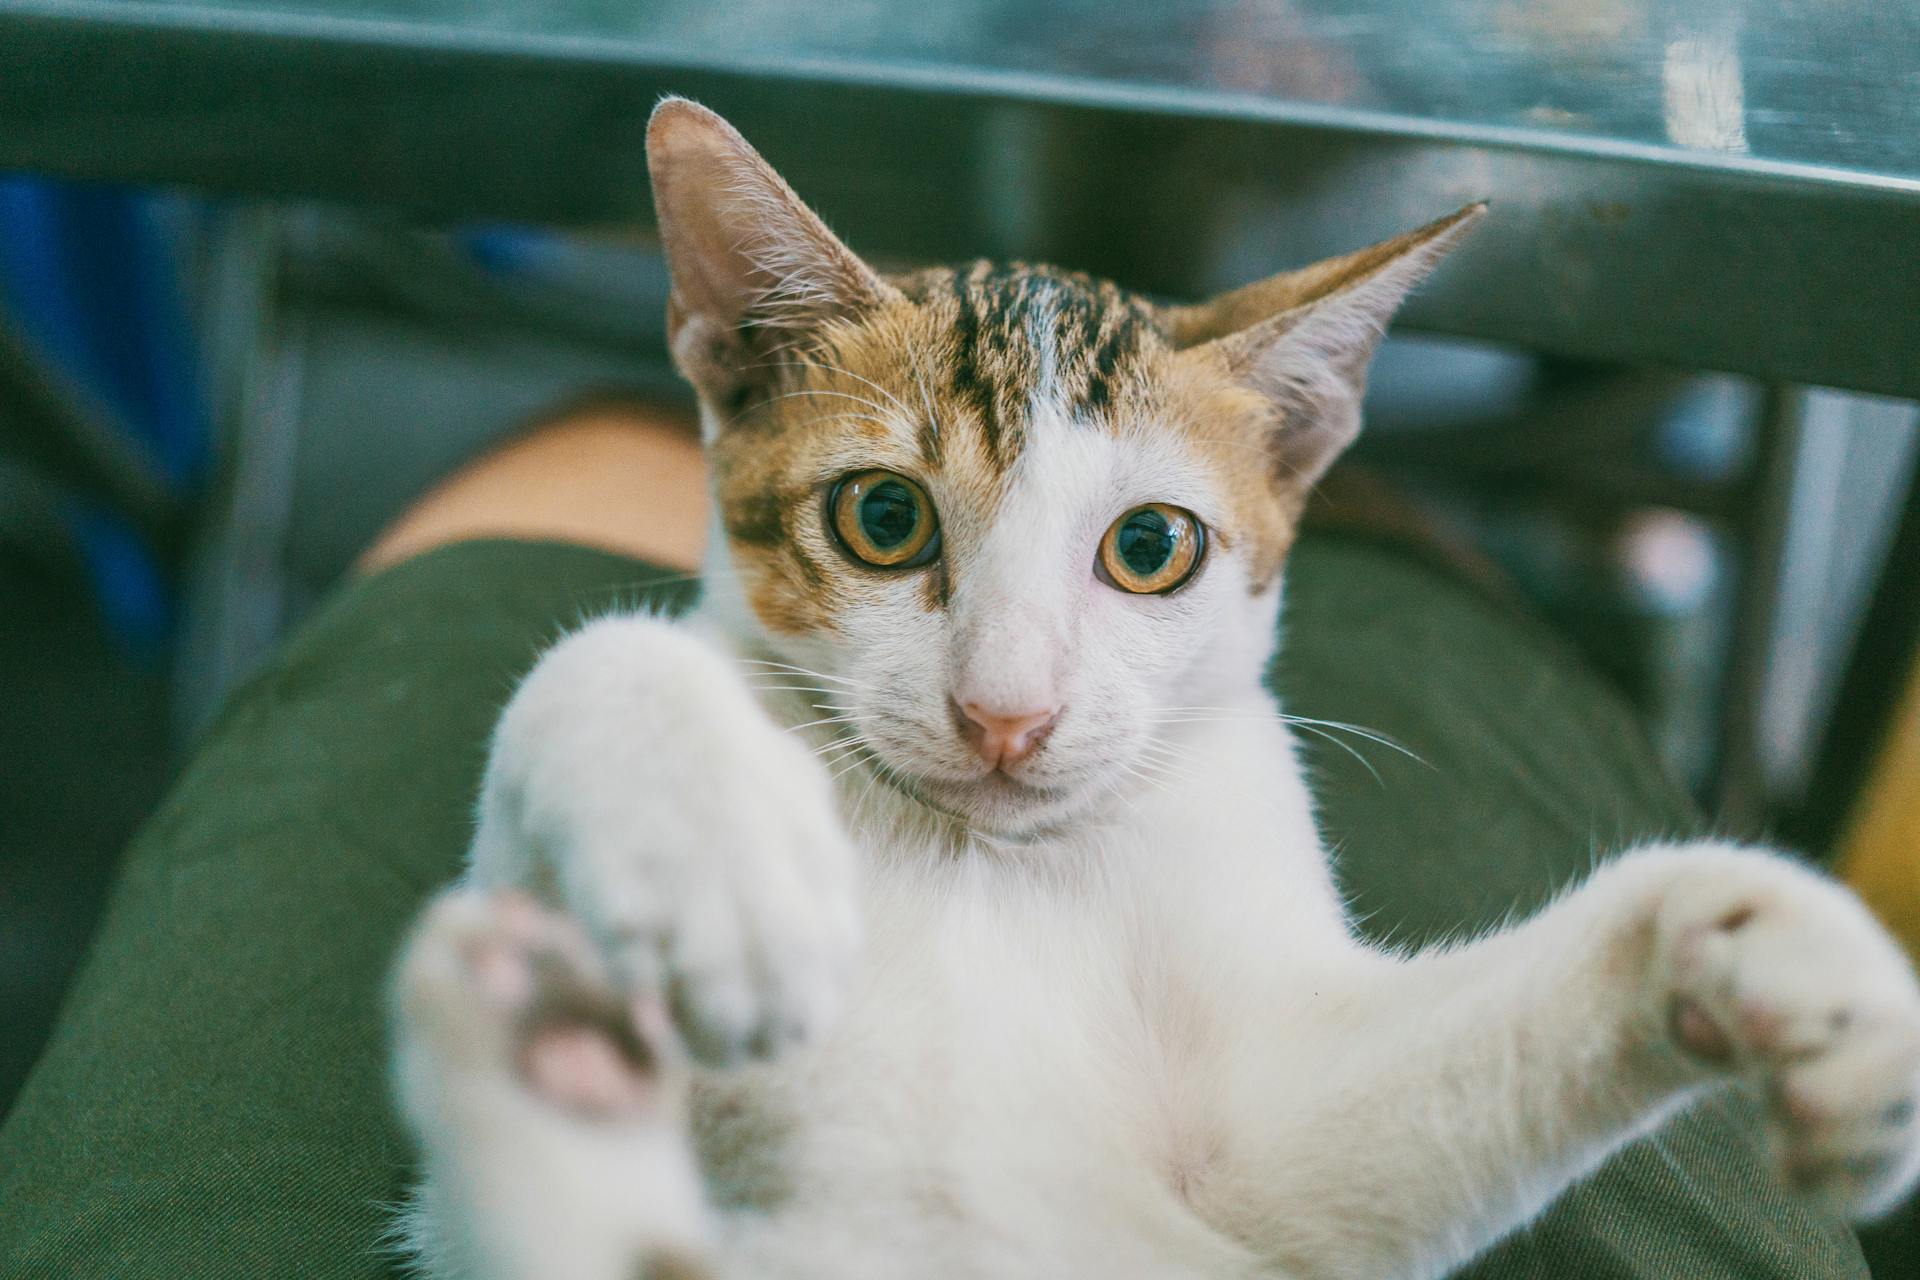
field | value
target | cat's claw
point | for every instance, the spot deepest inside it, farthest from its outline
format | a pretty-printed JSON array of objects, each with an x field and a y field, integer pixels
[{"x": 1782, "y": 978}]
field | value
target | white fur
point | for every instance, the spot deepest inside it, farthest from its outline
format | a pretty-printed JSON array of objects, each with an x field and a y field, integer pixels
[{"x": 1118, "y": 1027}]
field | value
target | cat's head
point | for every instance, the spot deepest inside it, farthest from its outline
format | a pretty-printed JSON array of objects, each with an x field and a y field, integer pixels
[{"x": 1022, "y": 522}]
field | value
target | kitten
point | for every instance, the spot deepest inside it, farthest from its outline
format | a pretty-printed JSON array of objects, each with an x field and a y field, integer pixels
[{"x": 825, "y": 934}]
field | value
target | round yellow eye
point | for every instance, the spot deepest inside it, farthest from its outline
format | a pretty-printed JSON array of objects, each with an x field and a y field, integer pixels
[
  {"x": 1152, "y": 550},
  {"x": 883, "y": 519}
]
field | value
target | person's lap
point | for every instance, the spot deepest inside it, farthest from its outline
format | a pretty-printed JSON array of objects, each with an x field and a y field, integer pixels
[{"x": 213, "y": 1103}]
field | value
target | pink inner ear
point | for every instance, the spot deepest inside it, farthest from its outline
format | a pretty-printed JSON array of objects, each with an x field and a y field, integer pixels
[
  {"x": 740, "y": 245},
  {"x": 690, "y": 156}
]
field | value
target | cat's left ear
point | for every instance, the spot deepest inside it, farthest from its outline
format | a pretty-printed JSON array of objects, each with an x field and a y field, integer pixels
[
  {"x": 752, "y": 266},
  {"x": 1304, "y": 339}
]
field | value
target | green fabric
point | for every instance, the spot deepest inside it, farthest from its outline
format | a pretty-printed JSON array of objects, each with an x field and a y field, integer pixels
[{"x": 213, "y": 1105}]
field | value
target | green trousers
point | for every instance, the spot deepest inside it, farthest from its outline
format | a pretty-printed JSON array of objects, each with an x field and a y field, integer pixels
[{"x": 213, "y": 1102}]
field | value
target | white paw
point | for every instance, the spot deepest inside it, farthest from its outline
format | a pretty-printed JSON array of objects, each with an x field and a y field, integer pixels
[
  {"x": 494, "y": 983},
  {"x": 697, "y": 841},
  {"x": 540, "y": 1096},
  {"x": 1782, "y": 977}
]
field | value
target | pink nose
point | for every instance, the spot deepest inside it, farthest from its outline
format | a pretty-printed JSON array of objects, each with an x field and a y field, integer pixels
[{"x": 1002, "y": 740}]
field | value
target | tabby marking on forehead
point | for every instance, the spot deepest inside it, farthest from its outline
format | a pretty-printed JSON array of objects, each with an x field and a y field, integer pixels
[{"x": 1021, "y": 333}]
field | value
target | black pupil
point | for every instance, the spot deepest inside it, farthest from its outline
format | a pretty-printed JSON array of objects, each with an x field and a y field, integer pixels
[
  {"x": 1145, "y": 542},
  {"x": 889, "y": 515}
]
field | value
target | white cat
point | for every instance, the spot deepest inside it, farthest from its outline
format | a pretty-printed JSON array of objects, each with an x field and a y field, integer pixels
[{"x": 944, "y": 898}]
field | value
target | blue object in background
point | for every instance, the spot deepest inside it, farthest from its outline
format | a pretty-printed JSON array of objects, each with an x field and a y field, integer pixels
[
  {"x": 503, "y": 247},
  {"x": 88, "y": 275}
]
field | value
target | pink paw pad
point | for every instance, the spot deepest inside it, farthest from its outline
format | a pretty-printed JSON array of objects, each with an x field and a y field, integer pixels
[{"x": 581, "y": 1068}]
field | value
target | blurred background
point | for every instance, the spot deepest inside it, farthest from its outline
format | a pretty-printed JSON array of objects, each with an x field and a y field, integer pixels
[{"x": 233, "y": 344}]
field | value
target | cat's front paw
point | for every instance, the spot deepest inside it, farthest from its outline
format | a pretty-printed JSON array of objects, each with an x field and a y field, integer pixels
[
  {"x": 1782, "y": 977},
  {"x": 550, "y": 1114},
  {"x": 697, "y": 841},
  {"x": 493, "y": 982}
]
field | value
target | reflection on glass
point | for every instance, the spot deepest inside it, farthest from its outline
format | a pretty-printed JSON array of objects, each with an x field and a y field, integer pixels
[{"x": 1704, "y": 98}]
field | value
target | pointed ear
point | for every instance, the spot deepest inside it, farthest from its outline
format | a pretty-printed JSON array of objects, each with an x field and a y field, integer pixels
[
  {"x": 751, "y": 265},
  {"x": 1304, "y": 339}
]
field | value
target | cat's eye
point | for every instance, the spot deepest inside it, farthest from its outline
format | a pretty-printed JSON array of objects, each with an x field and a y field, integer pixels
[
  {"x": 1151, "y": 550},
  {"x": 883, "y": 519}
]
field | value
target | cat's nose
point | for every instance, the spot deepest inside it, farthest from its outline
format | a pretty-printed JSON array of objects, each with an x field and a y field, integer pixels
[{"x": 1003, "y": 739}]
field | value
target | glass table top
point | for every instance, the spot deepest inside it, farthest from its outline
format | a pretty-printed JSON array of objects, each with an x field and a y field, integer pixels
[
  {"x": 1724, "y": 184},
  {"x": 1813, "y": 84}
]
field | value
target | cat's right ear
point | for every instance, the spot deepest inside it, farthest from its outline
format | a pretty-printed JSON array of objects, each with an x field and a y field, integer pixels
[{"x": 752, "y": 266}]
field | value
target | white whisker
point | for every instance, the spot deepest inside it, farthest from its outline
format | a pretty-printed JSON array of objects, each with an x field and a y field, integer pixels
[
  {"x": 877, "y": 407},
  {"x": 805, "y": 671},
  {"x": 865, "y": 381},
  {"x": 812, "y": 724},
  {"x": 1349, "y": 749},
  {"x": 1242, "y": 715},
  {"x": 837, "y": 750}
]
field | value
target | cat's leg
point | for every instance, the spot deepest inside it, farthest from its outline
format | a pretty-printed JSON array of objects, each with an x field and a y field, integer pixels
[
  {"x": 636, "y": 783},
  {"x": 687, "y": 858},
  {"x": 1423, "y": 1108},
  {"x": 552, "y": 1129}
]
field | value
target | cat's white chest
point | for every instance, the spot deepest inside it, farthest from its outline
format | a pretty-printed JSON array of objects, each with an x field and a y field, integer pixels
[{"x": 1013, "y": 1088}]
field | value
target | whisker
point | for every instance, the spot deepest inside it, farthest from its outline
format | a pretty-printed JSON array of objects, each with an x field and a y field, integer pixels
[
  {"x": 1349, "y": 749},
  {"x": 1241, "y": 715},
  {"x": 1162, "y": 757},
  {"x": 836, "y": 750},
  {"x": 873, "y": 777},
  {"x": 1138, "y": 774},
  {"x": 849, "y": 763},
  {"x": 1315, "y": 729},
  {"x": 804, "y": 671},
  {"x": 1168, "y": 759},
  {"x": 920, "y": 380},
  {"x": 1167, "y": 764},
  {"x": 811, "y": 724},
  {"x": 843, "y": 371},
  {"x": 800, "y": 688},
  {"x": 825, "y": 367},
  {"x": 1360, "y": 731},
  {"x": 814, "y": 391}
]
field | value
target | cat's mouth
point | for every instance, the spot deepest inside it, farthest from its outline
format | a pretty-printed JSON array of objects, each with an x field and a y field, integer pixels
[
  {"x": 997, "y": 785},
  {"x": 995, "y": 802}
]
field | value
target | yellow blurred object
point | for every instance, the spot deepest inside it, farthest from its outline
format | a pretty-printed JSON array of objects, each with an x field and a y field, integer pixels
[{"x": 1880, "y": 852}]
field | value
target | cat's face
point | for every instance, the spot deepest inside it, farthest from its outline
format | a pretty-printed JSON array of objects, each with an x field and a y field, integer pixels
[
  {"x": 1021, "y": 524},
  {"x": 1019, "y": 529}
]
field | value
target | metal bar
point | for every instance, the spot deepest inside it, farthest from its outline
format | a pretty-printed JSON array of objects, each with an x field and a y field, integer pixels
[
  {"x": 1740, "y": 787},
  {"x": 50, "y": 423},
  {"x": 236, "y": 599}
]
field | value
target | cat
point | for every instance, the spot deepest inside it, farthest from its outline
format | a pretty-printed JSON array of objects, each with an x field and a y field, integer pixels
[{"x": 943, "y": 898}]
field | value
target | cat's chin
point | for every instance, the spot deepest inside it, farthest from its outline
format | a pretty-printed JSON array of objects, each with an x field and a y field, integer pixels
[{"x": 994, "y": 804}]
